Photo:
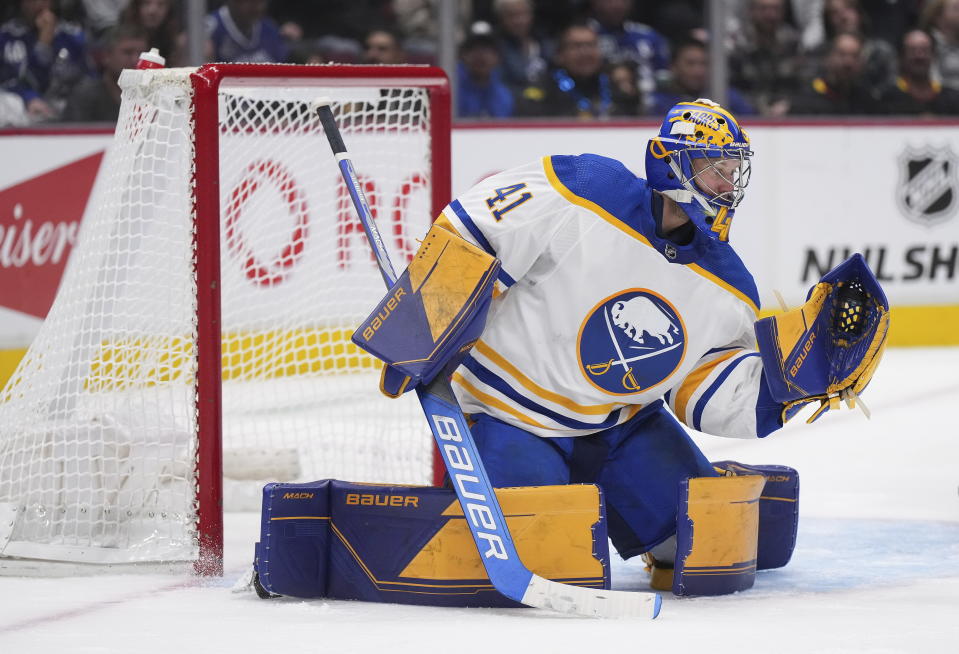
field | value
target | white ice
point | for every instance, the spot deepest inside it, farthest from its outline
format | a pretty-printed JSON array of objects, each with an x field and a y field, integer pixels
[{"x": 876, "y": 567}]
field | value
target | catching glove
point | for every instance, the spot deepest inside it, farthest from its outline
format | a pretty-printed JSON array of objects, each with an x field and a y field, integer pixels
[{"x": 828, "y": 349}]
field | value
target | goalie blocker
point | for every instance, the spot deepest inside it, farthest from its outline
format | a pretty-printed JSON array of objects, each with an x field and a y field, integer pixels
[{"x": 433, "y": 314}]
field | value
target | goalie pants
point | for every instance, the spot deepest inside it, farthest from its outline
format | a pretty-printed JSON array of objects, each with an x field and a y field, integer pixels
[{"x": 638, "y": 464}]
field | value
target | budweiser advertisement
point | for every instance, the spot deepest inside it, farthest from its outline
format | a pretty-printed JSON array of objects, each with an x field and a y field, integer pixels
[{"x": 39, "y": 223}]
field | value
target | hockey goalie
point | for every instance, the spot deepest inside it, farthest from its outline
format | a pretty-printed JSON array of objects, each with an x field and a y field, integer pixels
[{"x": 587, "y": 317}]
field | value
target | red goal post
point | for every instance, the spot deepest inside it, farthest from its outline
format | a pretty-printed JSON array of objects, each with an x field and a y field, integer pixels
[
  {"x": 206, "y": 84},
  {"x": 203, "y": 321}
]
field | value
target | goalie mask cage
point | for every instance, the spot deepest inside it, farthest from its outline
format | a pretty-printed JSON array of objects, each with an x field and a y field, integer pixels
[{"x": 199, "y": 343}]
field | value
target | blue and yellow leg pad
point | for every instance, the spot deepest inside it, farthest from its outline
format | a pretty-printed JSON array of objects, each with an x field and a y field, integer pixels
[
  {"x": 729, "y": 527},
  {"x": 717, "y": 534},
  {"x": 411, "y": 544}
]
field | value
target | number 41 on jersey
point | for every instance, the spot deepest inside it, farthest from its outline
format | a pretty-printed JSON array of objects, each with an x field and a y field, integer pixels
[{"x": 495, "y": 203}]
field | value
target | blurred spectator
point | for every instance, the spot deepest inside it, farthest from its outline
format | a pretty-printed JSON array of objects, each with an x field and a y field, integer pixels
[
  {"x": 626, "y": 89},
  {"x": 240, "y": 31},
  {"x": 765, "y": 60},
  {"x": 102, "y": 14},
  {"x": 160, "y": 20},
  {"x": 577, "y": 86},
  {"x": 890, "y": 19},
  {"x": 418, "y": 20},
  {"x": 524, "y": 55},
  {"x": 97, "y": 99},
  {"x": 480, "y": 91},
  {"x": 690, "y": 80},
  {"x": 807, "y": 18},
  {"x": 621, "y": 40},
  {"x": 348, "y": 19},
  {"x": 382, "y": 46},
  {"x": 847, "y": 17},
  {"x": 679, "y": 20},
  {"x": 941, "y": 19},
  {"x": 841, "y": 90},
  {"x": 915, "y": 91},
  {"x": 41, "y": 58}
]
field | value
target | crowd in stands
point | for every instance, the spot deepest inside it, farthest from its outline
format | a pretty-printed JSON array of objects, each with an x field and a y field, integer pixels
[{"x": 60, "y": 60}]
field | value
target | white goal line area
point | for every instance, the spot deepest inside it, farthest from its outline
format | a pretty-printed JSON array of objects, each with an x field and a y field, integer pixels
[{"x": 204, "y": 319}]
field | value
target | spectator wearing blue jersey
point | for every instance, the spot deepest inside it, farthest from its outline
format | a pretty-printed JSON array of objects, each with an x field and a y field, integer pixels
[
  {"x": 621, "y": 40},
  {"x": 578, "y": 86},
  {"x": 41, "y": 58},
  {"x": 525, "y": 54},
  {"x": 240, "y": 31},
  {"x": 689, "y": 79},
  {"x": 766, "y": 61},
  {"x": 480, "y": 91},
  {"x": 98, "y": 99}
]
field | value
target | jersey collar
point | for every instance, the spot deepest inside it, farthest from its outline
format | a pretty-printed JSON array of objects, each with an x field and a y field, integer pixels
[{"x": 673, "y": 252}]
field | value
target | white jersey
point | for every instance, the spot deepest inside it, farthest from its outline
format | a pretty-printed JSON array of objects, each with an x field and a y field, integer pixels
[{"x": 597, "y": 317}]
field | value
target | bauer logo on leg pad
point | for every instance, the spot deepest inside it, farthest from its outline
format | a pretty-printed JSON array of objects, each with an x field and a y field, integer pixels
[{"x": 423, "y": 552}]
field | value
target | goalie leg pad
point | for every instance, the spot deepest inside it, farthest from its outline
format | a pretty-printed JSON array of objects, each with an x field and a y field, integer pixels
[
  {"x": 411, "y": 545},
  {"x": 778, "y": 510},
  {"x": 433, "y": 314},
  {"x": 717, "y": 535}
]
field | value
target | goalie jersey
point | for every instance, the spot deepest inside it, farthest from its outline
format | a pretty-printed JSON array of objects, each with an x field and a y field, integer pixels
[{"x": 597, "y": 317}]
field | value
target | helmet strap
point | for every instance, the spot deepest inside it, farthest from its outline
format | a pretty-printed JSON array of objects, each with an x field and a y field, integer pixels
[{"x": 683, "y": 197}]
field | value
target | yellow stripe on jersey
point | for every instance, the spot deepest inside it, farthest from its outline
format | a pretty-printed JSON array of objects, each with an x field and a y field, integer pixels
[
  {"x": 694, "y": 379},
  {"x": 489, "y": 400},
  {"x": 632, "y": 411},
  {"x": 729, "y": 287},
  {"x": 619, "y": 224},
  {"x": 536, "y": 389}
]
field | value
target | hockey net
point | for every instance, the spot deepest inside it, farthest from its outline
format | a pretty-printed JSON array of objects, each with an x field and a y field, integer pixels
[{"x": 219, "y": 275}]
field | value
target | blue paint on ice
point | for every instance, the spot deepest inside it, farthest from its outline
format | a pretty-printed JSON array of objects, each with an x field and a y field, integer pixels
[{"x": 835, "y": 554}]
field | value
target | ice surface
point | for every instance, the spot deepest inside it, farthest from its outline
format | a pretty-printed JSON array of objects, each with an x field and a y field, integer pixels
[{"x": 876, "y": 567}]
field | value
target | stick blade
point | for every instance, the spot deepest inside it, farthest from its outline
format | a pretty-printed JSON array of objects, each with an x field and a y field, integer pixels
[{"x": 590, "y": 602}]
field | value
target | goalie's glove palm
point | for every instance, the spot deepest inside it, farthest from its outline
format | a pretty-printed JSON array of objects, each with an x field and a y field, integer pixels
[{"x": 828, "y": 349}]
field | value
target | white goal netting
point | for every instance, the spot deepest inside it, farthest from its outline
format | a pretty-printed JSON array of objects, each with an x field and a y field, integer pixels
[{"x": 99, "y": 425}]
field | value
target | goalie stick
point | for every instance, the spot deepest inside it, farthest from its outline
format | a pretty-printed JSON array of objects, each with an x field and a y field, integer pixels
[{"x": 483, "y": 514}]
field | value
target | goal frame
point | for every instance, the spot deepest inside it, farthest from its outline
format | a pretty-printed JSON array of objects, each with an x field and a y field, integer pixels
[{"x": 206, "y": 216}]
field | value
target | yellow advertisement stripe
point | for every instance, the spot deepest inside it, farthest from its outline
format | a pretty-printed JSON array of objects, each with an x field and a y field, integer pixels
[
  {"x": 489, "y": 400},
  {"x": 695, "y": 378},
  {"x": 330, "y": 350},
  {"x": 536, "y": 389},
  {"x": 619, "y": 224}
]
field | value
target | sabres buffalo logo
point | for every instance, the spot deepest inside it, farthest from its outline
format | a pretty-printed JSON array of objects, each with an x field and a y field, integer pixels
[{"x": 631, "y": 342}]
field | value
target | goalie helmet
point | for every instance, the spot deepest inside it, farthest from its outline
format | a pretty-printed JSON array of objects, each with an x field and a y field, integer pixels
[{"x": 701, "y": 160}]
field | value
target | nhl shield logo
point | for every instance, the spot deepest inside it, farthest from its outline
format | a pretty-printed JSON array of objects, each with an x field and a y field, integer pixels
[
  {"x": 631, "y": 342},
  {"x": 928, "y": 185}
]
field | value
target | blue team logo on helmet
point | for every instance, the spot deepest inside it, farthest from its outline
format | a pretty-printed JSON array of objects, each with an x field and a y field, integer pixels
[
  {"x": 631, "y": 341},
  {"x": 701, "y": 160}
]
